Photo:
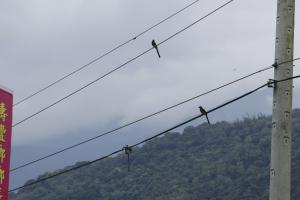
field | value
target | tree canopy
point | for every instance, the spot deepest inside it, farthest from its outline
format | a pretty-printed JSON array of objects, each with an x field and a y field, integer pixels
[{"x": 224, "y": 161}]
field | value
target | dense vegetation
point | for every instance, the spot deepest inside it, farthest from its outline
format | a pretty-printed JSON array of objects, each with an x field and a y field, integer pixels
[{"x": 228, "y": 161}]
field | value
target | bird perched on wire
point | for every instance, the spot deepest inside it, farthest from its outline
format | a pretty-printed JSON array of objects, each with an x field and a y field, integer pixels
[
  {"x": 203, "y": 112},
  {"x": 155, "y": 46}
]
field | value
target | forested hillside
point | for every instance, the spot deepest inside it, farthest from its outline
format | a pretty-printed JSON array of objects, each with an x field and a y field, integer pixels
[{"x": 228, "y": 161}]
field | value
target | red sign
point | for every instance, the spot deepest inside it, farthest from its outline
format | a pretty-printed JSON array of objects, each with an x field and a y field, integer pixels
[{"x": 6, "y": 104}]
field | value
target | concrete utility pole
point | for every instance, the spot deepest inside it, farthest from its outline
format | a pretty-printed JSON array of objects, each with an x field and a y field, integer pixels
[{"x": 280, "y": 173}]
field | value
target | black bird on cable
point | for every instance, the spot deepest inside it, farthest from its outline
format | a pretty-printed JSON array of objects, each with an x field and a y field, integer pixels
[
  {"x": 155, "y": 46},
  {"x": 203, "y": 112}
]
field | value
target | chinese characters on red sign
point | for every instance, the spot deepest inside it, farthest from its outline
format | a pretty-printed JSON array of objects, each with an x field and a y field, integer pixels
[{"x": 6, "y": 101}]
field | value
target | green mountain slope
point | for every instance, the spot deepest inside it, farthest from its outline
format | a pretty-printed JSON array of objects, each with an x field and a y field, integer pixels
[{"x": 228, "y": 161}]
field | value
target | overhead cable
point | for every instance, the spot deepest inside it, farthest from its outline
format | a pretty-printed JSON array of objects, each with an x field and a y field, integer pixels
[
  {"x": 149, "y": 116},
  {"x": 150, "y": 138},
  {"x": 119, "y": 67},
  {"x": 105, "y": 54}
]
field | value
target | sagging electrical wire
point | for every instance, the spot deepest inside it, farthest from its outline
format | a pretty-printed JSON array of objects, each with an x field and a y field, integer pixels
[
  {"x": 151, "y": 138},
  {"x": 104, "y": 55},
  {"x": 154, "y": 114},
  {"x": 121, "y": 66}
]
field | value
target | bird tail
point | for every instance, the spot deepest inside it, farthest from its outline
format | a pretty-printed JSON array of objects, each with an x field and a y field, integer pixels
[
  {"x": 158, "y": 52},
  {"x": 207, "y": 119}
]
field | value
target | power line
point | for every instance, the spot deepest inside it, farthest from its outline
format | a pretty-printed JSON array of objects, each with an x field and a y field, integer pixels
[
  {"x": 105, "y": 54},
  {"x": 68, "y": 170},
  {"x": 155, "y": 136},
  {"x": 214, "y": 109},
  {"x": 121, "y": 66},
  {"x": 148, "y": 116}
]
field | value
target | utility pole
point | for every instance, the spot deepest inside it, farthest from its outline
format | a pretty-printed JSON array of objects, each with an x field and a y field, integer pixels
[{"x": 280, "y": 172}]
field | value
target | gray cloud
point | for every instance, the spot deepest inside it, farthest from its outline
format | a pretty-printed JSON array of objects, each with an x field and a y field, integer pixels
[{"x": 45, "y": 39}]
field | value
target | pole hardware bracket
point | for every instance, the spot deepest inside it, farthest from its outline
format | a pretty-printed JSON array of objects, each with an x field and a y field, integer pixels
[
  {"x": 271, "y": 83},
  {"x": 275, "y": 65},
  {"x": 128, "y": 150}
]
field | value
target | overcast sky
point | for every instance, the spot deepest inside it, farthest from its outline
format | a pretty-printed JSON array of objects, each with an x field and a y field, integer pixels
[{"x": 42, "y": 40}]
